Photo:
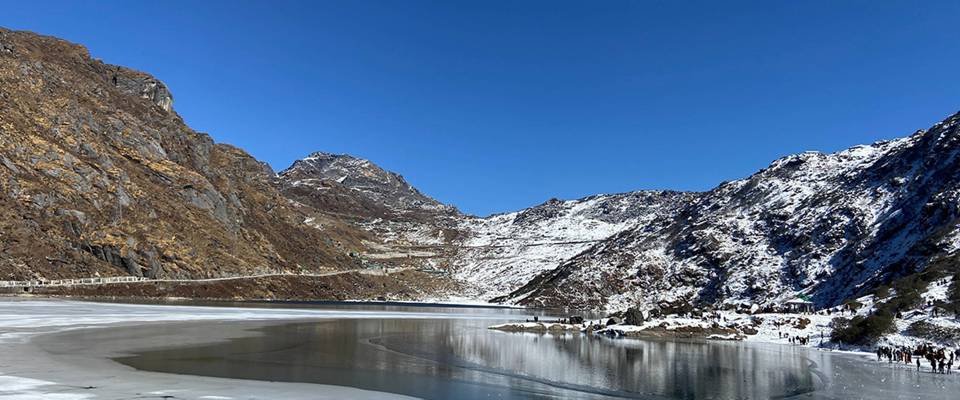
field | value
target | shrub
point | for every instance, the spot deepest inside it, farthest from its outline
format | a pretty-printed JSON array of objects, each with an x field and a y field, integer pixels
[
  {"x": 901, "y": 302},
  {"x": 839, "y": 323},
  {"x": 926, "y": 330},
  {"x": 907, "y": 296},
  {"x": 912, "y": 283},
  {"x": 882, "y": 292},
  {"x": 920, "y": 329},
  {"x": 862, "y": 330}
]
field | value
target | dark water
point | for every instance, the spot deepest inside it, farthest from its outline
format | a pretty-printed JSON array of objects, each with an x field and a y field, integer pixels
[{"x": 461, "y": 359}]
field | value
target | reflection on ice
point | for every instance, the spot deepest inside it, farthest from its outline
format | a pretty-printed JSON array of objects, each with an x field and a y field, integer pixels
[
  {"x": 461, "y": 359},
  {"x": 619, "y": 367}
]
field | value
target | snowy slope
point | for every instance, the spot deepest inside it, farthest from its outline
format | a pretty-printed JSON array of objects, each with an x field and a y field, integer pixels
[
  {"x": 830, "y": 225},
  {"x": 503, "y": 252}
]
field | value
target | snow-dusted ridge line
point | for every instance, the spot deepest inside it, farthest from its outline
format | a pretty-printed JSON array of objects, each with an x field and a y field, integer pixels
[{"x": 829, "y": 225}]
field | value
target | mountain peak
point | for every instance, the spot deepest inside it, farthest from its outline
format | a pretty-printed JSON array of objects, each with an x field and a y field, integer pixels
[{"x": 364, "y": 179}]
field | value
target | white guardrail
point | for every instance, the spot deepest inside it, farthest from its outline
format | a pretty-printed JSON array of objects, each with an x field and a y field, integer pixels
[
  {"x": 73, "y": 282},
  {"x": 126, "y": 279}
]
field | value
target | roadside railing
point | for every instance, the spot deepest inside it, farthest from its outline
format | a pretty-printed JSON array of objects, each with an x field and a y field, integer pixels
[
  {"x": 73, "y": 282},
  {"x": 128, "y": 279}
]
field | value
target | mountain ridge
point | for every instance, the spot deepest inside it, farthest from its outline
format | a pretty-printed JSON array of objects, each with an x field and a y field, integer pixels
[
  {"x": 870, "y": 174},
  {"x": 100, "y": 175}
]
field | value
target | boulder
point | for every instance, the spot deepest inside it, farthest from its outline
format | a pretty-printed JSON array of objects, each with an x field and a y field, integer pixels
[{"x": 634, "y": 316}]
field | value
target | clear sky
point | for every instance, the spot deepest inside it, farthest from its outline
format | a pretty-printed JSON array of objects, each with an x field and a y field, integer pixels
[{"x": 498, "y": 105}]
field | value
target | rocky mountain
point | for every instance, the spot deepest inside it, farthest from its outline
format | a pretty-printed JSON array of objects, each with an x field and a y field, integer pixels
[
  {"x": 828, "y": 225},
  {"x": 405, "y": 228},
  {"x": 100, "y": 176},
  {"x": 356, "y": 188}
]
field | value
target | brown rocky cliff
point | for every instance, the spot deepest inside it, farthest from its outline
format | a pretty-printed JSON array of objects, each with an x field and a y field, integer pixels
[{"x": 98, "y": 175}]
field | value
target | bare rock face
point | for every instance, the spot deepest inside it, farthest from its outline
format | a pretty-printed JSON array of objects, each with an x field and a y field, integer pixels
[
  {"x": 145, "y": 86},
  {"x": 98, "y": 175}
]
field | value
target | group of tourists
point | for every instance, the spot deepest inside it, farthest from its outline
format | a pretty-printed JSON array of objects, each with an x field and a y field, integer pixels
[
  {"x": 843, "y": 309},
  {"x": 801, "y": 340},
  {"x": 940, "y": 358}
]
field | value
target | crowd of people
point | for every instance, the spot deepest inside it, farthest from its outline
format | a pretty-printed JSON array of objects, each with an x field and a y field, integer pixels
[{"x": 940, "y": 358}]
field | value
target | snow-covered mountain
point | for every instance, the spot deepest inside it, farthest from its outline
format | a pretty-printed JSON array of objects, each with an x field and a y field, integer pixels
[
  {"x": 492, "y": 256},
  {"x": 831, "y": 226},
  {"x": 828, "y": 225}
]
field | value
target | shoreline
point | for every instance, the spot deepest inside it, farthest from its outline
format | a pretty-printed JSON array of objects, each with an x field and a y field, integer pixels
[
  {"x": 440, "y": 302},
  {"x": 734, "y": 328},
  {"x": 221, "y": 302}
]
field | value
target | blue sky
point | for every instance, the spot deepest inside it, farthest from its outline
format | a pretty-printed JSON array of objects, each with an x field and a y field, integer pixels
[{"x": 498, "y": 105}]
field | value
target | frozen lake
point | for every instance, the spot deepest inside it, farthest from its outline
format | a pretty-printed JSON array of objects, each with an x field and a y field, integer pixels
[
  {"x": 363, "y": 351},
  {"x": 461, "y": 359}
]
